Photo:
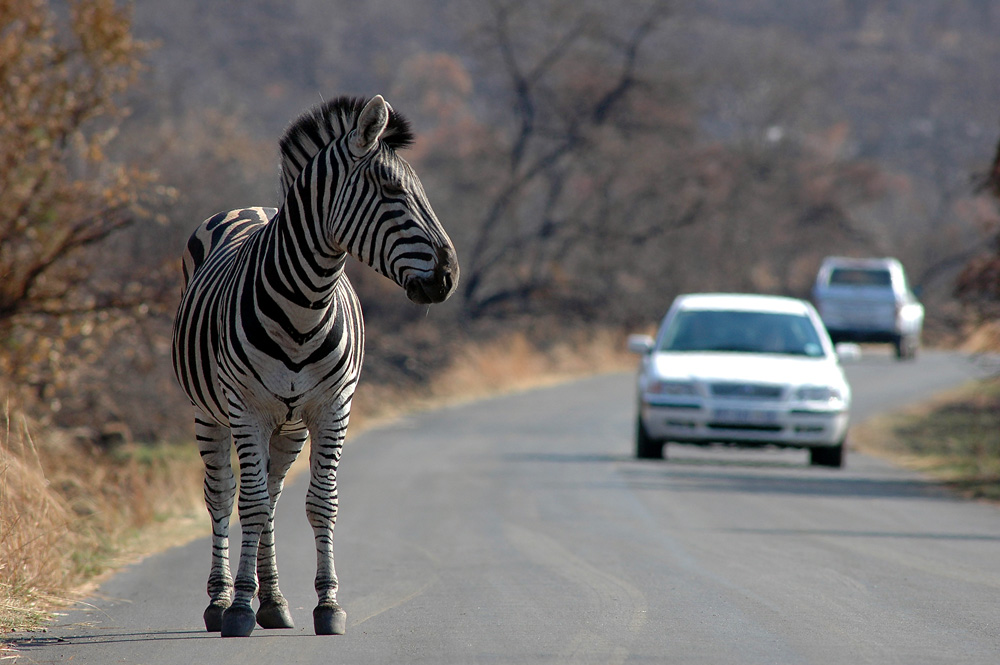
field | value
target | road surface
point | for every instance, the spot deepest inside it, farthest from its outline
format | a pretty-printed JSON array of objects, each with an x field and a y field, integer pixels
[{"x": 520, "y": 530}]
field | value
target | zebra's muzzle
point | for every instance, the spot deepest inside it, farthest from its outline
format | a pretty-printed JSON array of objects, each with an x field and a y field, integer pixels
[{"x": 439, "y": 284}]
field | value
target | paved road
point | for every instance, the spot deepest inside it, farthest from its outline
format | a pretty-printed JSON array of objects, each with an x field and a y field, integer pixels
[{"x": 520, "y": 530}]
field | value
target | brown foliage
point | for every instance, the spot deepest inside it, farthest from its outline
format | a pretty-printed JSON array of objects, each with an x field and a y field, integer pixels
[
  {"x": 60, "y": 81},
  {"x": 978, "y": 285},
  {"x": 597, "y": 196}
]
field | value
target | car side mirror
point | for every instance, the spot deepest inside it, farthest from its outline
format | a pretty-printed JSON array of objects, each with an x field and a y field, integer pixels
[
  {"x": 640, "y": 344},
  {"x": 848, "y": 351}
]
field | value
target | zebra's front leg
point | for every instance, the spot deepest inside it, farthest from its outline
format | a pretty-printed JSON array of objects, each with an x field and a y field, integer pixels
[
  {"x": 251, "y": 438},
  {"x": 273, "y": 611},
  {"x": 220, "y": 492},
  {"x": 322, "y": 505}
]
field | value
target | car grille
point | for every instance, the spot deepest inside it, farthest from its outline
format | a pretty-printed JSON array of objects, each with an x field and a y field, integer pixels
[
  {"x": 744, "y": 427},
  {"x": 746, "y": 391}
]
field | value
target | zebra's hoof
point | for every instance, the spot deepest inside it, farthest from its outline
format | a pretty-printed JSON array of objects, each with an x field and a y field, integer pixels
[
  {"x": 330, "y": 619},
  {"x": 275, "y": 614},
  {"x": 238, "y": 621},
  {"x": 213, "y": 616}
]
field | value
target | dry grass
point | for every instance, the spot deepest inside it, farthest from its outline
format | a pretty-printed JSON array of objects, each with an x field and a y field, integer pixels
[
  {"x": 69, "y": 513},
  {"x": 952, "y": 438},
  {"x": 32, "y": 521}
]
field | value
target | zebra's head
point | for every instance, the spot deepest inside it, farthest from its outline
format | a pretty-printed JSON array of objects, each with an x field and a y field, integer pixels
[{"x": 373, "y": 204}]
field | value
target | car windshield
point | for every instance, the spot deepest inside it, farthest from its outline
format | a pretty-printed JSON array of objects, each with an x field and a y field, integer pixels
[
  {"x": 877, "y": 277},
  {"x": 742, "y": 332}
]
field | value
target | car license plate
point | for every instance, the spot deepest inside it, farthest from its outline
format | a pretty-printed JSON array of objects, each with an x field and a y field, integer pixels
[{"x": 745, "y": 416}]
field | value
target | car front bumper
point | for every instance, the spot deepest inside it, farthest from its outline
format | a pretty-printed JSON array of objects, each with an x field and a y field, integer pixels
[{"x": 802, "y": 425}]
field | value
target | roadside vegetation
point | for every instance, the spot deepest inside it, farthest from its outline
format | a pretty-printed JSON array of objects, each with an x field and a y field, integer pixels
[
  {"x": 953, "y": 439},
  {"x": 71, "y": 512}
]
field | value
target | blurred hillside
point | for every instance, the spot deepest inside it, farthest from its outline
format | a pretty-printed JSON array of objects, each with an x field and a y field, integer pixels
[
  {"x": 589, "y": 162},
  {"x": 841, "y": 126}
]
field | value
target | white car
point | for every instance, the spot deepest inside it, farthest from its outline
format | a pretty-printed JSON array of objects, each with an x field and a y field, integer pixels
[{"x": 741, "y": 369}]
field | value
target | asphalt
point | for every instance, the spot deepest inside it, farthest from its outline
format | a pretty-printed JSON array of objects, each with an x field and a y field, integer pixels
[{"x": 521, "y": 530}]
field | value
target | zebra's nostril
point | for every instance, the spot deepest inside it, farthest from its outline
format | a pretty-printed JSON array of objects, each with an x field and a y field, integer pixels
[
  {"x": 431, "y": 289},
  {"x": 447, "y": 269}
]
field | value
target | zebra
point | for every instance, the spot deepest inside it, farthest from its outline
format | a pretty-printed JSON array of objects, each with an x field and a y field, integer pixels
[{"x": 269, "y": 338}]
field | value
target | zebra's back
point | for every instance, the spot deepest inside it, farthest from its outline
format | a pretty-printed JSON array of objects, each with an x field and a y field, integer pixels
[
  {"x": 209, "y": 272},
  {"x": 225, "y": 231}
]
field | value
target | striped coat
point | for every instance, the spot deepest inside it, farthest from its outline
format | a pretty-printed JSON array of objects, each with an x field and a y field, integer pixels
[{"x": 269, "y": 337}]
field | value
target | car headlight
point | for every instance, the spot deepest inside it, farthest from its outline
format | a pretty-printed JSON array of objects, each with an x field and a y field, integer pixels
[
  {"x": 660, "y": 387},
  {"x": 819, "y": 394}
]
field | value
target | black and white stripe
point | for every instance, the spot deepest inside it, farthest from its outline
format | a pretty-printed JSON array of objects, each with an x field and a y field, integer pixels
[{"x": 269, "y": 337}]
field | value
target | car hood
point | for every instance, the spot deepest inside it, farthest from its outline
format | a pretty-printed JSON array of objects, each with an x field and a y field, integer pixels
[{"x": 749, "y": 367}]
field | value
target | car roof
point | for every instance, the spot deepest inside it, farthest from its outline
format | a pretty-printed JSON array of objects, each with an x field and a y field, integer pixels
[
  {"x": 742, "y": 302},
  {"x": 854, "y": 262}
]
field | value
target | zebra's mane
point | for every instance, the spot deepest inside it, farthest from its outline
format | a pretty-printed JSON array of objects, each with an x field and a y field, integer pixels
[{"x": 317, "y": 127}]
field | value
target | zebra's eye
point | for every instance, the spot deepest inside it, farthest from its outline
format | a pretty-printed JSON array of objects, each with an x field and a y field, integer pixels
[{"x": 393, "y": 190}]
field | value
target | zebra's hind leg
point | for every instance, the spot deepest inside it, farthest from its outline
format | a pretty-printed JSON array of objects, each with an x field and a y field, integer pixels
[
  {"x": 273, "y": 611},
  {"x": 322, "y": 505},
  {"x": 220, "y": 491}
]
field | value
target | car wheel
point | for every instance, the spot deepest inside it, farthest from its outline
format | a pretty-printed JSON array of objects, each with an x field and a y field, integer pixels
[
  {"x": 832, "y": 456},
  {"x": 906, "y": 348},
  {"x": 645, "y": 446}
]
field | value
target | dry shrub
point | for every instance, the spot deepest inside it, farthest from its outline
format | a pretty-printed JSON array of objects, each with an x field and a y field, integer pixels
[
  {"x": 984, "y": 338},
  {"x": 514, "y": 362},
  {"x": 508, "y": 363}
]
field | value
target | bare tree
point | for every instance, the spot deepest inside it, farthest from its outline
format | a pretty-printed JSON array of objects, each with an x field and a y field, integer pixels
[
  {"x": 61, "y": 196},
  {"x": 580, "y": 105}
]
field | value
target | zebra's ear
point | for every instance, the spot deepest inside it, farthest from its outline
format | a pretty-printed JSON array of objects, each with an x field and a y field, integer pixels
[{"x": 371, "y": 123}]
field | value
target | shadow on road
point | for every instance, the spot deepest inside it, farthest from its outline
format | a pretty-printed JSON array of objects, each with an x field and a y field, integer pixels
[
  {"x": 841, "y": 533},
  {"x": 580, "y": 458},
  {"x": 24, "y": 644},
  {"x": 770, "y": 480},
  {"x": 776, "y": 476}
]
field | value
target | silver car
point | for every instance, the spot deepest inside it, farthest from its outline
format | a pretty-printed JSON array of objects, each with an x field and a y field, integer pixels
[
  {"x": 869, "y": 300},
  {"x": 741, "y": 369}
]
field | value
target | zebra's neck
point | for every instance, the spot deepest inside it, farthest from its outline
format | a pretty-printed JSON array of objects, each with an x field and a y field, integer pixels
[{"x": 298, "y": 273}]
